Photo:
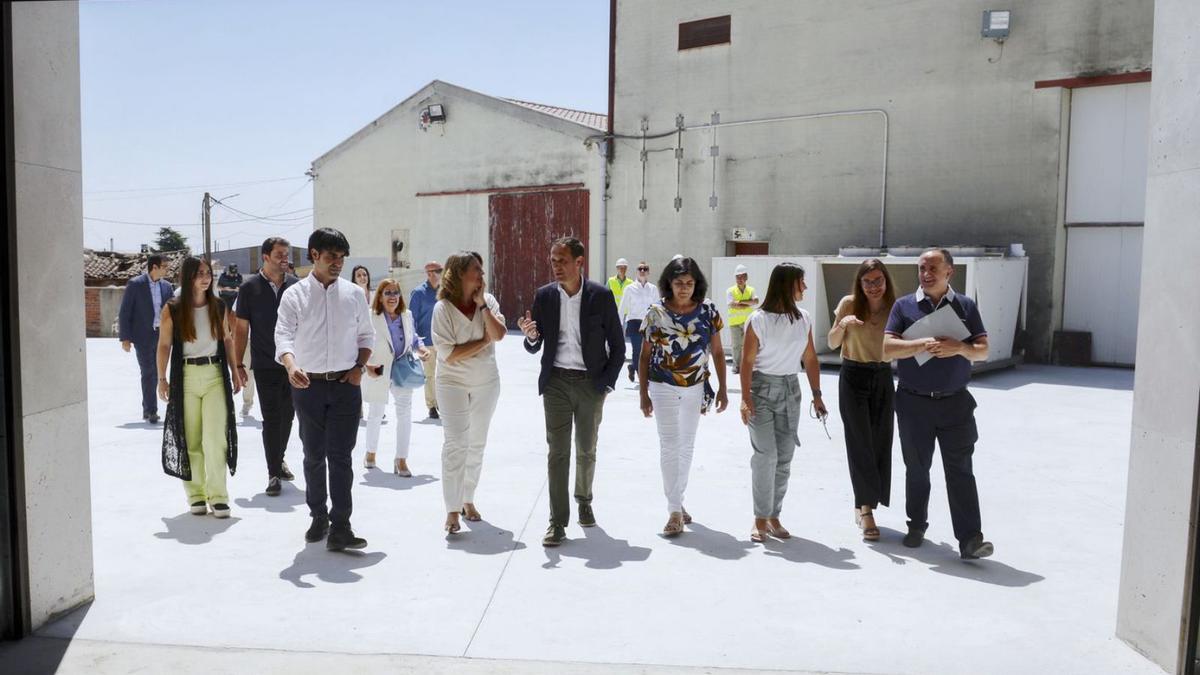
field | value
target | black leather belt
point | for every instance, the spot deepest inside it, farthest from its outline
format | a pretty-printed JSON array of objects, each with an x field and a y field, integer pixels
[
  {"x": 331, "y": 376},
  {"x": 874, "y": 365},
  {"x": 932, "y": 394},
  {"x": 202, "y": 361},
  {"x": 569, "y": 373}
]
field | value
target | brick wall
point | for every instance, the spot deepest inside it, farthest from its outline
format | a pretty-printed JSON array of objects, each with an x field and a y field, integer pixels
[{"x": 91, "y": 304}]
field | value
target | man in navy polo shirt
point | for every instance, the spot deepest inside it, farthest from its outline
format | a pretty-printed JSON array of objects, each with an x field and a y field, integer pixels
[{"x": 932, "y": 402}]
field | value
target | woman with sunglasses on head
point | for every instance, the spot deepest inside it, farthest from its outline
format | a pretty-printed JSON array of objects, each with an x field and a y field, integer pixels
[
  {"x": 778, "y": 344},
  {"x": 682, "y": 333},
  {"x": 865, "y": 389},
  {"x": 395, "y": 337},
  {"x": 200, "y": 433}
]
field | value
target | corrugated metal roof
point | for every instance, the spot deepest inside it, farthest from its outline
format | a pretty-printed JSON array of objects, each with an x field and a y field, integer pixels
[{"x": 590, "y": 119}]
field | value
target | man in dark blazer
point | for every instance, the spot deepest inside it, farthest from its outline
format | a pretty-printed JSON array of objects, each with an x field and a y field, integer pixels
[
  {"x": 141, "y": 307},
  {"x": 576, "y": 321}
]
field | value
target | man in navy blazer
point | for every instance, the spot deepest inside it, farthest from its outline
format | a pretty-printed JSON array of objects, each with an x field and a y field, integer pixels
[
  {"x": 576, "y": 322},
  {"x": 141, "y": 308}
]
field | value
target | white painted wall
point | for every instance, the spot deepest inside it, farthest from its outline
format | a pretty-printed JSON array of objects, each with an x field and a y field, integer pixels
[
  {"x": 1166, "y": 397},
  {"x": 1104, "y": 272},
  {"x": 975, "y": 149},
  {"x": 368, "y": 187},
  {"x": 53, "y": 414},
  {"x": 1106, "y": 175}
]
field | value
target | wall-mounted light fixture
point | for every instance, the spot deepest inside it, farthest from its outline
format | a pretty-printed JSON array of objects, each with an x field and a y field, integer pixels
[
  {"x": 996, "y": 23},
  {"x": 437, "y": 112}
]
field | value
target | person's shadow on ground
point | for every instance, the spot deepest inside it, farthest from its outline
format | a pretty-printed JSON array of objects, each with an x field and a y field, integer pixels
[
  {"x": 144, "y": 425},
  {"x": 382, "y": 479},
  {"x": 598, "y": 549},
  {"x": 250, "y": 422},
  {"x": 285, "y": 502},
  {"x": 482, "y": 538},
  {"x": 712, "y": 543},
  {"x": 193, "y": 530},
  {"x": 328, "y": 566},
  {"x": 799, "y": 550},
  {"x": 943, "y": 558}
]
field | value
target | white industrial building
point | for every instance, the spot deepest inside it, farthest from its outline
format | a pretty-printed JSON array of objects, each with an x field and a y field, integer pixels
[
  {"x": 809, "y": 127},
  {"x": 450, "y": 169}
]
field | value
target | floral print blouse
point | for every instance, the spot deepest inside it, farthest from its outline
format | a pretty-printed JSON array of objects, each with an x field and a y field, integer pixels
[{"x": 679, "y": 343}]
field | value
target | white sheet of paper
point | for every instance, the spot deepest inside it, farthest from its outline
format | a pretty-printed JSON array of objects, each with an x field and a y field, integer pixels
[{"x": 942, "y": 323}]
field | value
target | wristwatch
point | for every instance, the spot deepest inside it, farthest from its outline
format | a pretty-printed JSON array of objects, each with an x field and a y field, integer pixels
[
  {"x": 362, "y": 367},
  {"x": 816, "y": 393}
]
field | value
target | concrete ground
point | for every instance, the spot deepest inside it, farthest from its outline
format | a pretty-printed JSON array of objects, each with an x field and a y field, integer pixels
[{"x": 186, "y": 594}]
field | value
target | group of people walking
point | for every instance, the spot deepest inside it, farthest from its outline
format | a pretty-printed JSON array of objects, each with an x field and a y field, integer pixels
[{"x": 322, "y": 345}]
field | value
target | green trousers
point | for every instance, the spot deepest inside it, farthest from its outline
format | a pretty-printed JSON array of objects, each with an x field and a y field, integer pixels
[
  {"x": 570, "y": 399},
  {"x": 204, "y": 418}
]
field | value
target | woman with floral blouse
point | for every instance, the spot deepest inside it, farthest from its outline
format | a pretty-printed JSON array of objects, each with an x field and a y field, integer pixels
[{"x": 681, "y": 334}]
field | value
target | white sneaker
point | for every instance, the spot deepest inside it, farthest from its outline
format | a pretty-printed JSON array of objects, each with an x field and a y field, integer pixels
[
  {"x": 199, "y": 509},
  {"x": 220, "y": 510}
]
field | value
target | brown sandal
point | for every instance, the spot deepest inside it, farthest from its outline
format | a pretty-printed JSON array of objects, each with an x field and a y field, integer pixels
[
  {"x": 674, "y": 525},
  {"x": 471, "y": 514},
  {"x": 866, "y": 521},
  {"x": 757, "y": 536},
  {"x": 687, "y": 517},
  {"x": 779, "y": 532}
]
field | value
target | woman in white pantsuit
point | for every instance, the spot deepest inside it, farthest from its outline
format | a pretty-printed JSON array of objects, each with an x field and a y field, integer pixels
[
  {"x": 395, "y": 336},
  {"x": 466, "y": 321}
]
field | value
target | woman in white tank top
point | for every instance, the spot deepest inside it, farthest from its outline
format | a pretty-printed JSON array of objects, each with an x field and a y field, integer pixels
[
  {"x": 199, "y": 434},
  {"x": 778, "y": 344}
]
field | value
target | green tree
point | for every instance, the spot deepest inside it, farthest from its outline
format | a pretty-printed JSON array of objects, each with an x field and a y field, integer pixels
[{"x": 169, "y": 239}]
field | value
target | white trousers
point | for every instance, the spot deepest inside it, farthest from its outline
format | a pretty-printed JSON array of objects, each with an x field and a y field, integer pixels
[
  {"x": 677, "y": 414},
  {"x": 402, "y": 398},
  {"x": 466, "y": 414}
]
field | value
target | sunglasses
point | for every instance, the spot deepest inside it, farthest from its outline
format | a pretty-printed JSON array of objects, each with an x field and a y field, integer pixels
[
  {"x": 391, "y": 294},
  {"x": 643, "y": 269}
]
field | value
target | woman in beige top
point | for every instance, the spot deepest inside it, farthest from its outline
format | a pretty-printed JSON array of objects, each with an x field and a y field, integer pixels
[{"x": 865, "y": 389}]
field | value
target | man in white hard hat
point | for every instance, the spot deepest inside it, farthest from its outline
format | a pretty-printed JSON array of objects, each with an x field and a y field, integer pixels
[
  {"x": 742, "y": 301},
  {"x": 617, "y": 283}
]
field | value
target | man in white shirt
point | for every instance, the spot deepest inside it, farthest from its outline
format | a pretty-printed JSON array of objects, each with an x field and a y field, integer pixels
[
  {"x": 635, "y": 301},
  {"x": 323, "y": 337},
  {"x": 576, "y": 321}
]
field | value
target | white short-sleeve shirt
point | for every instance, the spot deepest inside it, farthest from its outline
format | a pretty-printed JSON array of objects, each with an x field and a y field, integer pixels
[
  {"x": 781, "y": 341},
  {"x": 450, "y": 327}
]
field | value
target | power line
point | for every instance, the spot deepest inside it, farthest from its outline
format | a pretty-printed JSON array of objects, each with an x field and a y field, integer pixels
[
  {"x": 193, "y": 187},
  {"x": 271, "y": 218}
]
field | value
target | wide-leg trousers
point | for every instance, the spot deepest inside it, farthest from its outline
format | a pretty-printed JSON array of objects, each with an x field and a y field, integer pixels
[
  {"x": 866, "y": 401},
  {"x": 466, "y": 414}
]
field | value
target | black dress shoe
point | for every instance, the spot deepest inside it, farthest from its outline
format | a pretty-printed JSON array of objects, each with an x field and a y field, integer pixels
[
  {"x": 975, "y": 547},
  {"x": 342, "y": 539},
  {"x": 631, "y": 378},
  {"x": 433, "y": 414},
  {"x": 555, "y": 535},
  {"x": 586, "y": 517},
  {"x": 914, "y": 537},
  {"x": 286, "y": 473},
  {"x": 153, "y": 418},
  {"x": 318, "y": 529},
  {"x": 273, "y": 487}
]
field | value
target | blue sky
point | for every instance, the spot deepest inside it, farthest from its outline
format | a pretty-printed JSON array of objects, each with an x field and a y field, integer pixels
[{"x": 190, "y": 94}]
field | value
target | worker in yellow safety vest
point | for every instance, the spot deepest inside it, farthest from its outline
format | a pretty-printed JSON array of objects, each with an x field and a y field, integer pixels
[
  {"x": 742, "y": 301},
  {"x": 618, "y": 283}
]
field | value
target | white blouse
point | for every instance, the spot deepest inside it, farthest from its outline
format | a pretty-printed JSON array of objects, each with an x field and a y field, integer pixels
[
  {"x": 204, "y": 344},
  {"x": 781, "y": 341},
  {"x": 450, "y": 327}
]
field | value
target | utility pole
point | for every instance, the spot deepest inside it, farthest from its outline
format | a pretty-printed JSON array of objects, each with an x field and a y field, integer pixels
[{"x": 208, "y": 227}]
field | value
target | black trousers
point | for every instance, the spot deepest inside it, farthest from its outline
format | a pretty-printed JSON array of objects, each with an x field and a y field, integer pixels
[
  {"x": 328, "y": 414},
  {"x": 865, "y": 400},
  {"x": 275, "y": 399},
  {"x": 147, "y": 357},
  {"x": 633, "y": 331},
  {"x": 951, "y": 422}
]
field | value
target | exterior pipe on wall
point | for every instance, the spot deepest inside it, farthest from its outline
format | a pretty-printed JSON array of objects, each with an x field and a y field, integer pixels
[{"x": 788, "y": 118}]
